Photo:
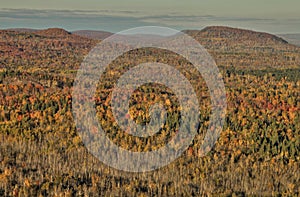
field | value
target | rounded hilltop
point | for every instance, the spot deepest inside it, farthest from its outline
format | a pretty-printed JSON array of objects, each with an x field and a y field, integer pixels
[
  {"x": 57, "y": 32},
  {"x": 241, "y": 34},
  {"x": 237, "y": 35}
]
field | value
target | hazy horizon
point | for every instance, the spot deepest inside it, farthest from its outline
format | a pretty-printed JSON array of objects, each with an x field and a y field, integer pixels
[{"x": 271, "y": 16}]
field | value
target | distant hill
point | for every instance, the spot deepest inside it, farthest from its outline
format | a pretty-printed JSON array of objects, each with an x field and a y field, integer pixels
[
  {"x": 229, "y": 35},
  {"x": 53, "y": 32},
  {"x": 92, "y": 34},
  {"x": 291, "y": 38},
  {"x": 51, "y": 48},
  {"x": 218, "y": 32},
  {"x": 241, "y": 34},
  {"x": 241, "y": 48},
  {"x": 23, "y": 30},
  {"x": 99, "y": 35},
  {"x": 247, "y": 49}
]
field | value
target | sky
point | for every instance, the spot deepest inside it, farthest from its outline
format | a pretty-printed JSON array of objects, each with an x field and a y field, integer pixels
[{"x": 274, "y": 16}]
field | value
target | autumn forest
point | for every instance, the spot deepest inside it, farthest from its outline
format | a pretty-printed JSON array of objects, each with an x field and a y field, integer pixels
[{"x": 258, "y": 152}]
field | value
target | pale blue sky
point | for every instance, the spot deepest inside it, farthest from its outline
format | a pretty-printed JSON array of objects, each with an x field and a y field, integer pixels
[{"x": 277, "y": 16}]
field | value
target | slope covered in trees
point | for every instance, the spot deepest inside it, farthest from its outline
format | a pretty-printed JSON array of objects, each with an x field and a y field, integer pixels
[
  {"x": 42, "y": 154},
  {"x": 246, "y": 49}
]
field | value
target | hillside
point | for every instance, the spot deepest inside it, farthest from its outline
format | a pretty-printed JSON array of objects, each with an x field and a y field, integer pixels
[
  {"x": 53, "y": 32},
  {"x": 230, "y": 47},
  {"x": 291, "y": 38},
  {"x": 23, "y": 30},
  {"x": 247, "y": 49},
  {"x": 241, "y": 36},
  {"x": 42, "y": 153},
  {"x": 45, "y": 44},
  {"x": 43, "y": 53},
  {"x": 99, "y": 35},
  {"x": 240, "y": 48}
]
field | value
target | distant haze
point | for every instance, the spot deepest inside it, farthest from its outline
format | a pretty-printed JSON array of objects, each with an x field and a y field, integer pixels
[
  {"x": 274, "y": 16},
  {"x": 291, "y": 38}
]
